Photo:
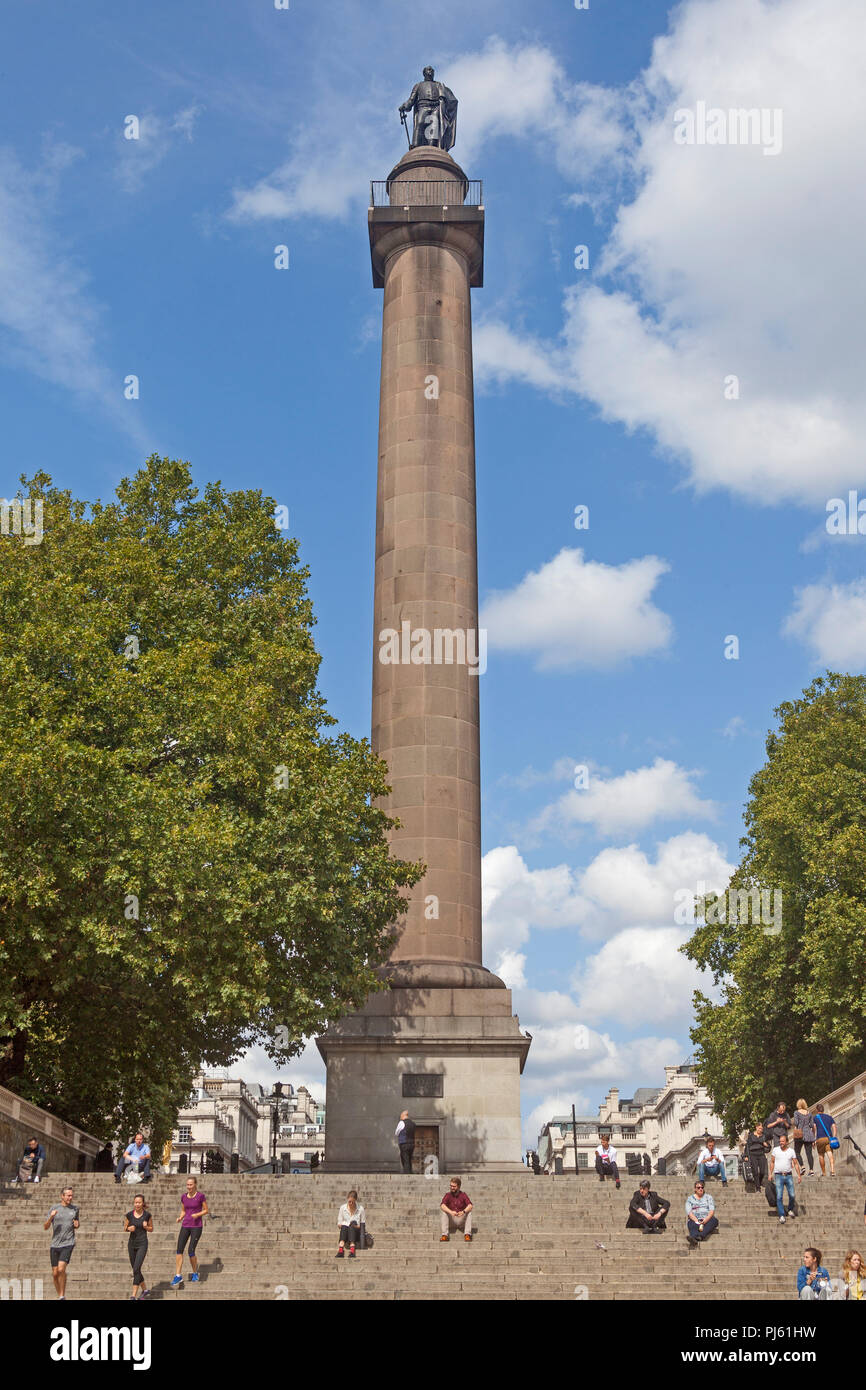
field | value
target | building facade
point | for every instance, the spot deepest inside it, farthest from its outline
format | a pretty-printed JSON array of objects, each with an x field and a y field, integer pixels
[
  {"x": 668, "y": 1125},
  {"x": 226, "y": 1117},
  {"x": 300, "y": 1127},
  {"x": 220, "y": 1119}
]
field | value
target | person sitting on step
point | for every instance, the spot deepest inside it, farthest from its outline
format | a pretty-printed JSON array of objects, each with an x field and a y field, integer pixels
[
  {"x": 701, "y": 1219},
  {"x": 605, "y": 1161},
  {"x": 350, "y": 1219},
  {"x": 135, "y": 1155},
  {"x": 456, "y": 1210},
  {"x": 31, "y": 1162},
  {"x": 852, "y": 1281},
  {"x": 813, "y": 1281},
  {"x": 647, "y": 1210},
  {"x": 711, "y": 1164}
]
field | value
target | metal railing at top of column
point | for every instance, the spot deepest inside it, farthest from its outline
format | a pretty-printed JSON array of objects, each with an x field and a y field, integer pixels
[{"x": 466, "y": 193}]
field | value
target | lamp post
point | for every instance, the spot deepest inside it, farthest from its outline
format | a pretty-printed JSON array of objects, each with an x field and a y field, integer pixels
[{"x": 276, "y": 1100}]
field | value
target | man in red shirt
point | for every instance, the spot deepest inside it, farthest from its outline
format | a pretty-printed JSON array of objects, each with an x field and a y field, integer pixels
[{"x": 456, "y": 1208}]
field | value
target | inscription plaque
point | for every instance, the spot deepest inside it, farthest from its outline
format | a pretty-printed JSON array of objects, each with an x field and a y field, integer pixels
[{"x": 423, "y": 1086}]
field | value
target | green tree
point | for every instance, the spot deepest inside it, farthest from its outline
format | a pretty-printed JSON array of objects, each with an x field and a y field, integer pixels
[
  {"x": 189, "y": 859},
  {"x": 793, "y": 1005}
]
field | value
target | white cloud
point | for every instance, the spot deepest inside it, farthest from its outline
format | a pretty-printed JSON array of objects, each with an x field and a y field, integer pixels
[
  {"x": 563, "y": 1060},
  {"x": 638, "y": 978},
  {"x": 561, "y": 771},
  {"x": 510, "y": 967},
  {"x": 516, "y": 92},
  {"x": 617, "y": 888},
  {"x": 49, "y": 325},
  {"x": 515, "y": 897},
  {"x": 576, "y": 612},
  {"x": 831, "y": 620},
  {"x": 157, "y": 135},
  {"x": 632, "y": 801},
  {"x": 624, "y": 885},
  {"x": 713, "y": 258},
  {"x": 307, "y": 1069}
]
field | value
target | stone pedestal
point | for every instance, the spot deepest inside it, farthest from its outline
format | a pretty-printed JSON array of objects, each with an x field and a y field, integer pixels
[
  {"x": 464, "y": 1043},
  {"x": 441, "y": 1014}
]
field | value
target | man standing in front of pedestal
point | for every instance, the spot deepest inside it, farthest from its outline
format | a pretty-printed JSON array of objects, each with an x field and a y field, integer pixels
[{"x": 405, "y": 1136}]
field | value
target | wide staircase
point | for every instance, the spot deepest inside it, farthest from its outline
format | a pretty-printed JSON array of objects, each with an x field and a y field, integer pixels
[{"x": 536, "y": 1238}]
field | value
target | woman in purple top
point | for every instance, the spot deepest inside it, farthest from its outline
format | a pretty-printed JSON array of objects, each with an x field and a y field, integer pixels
[{"x": 193, "y": 1207}]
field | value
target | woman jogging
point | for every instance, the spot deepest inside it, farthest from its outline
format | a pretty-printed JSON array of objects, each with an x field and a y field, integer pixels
[
  {"x": 138, "y": 1222},
  {"x": 193, "y": 1207}
]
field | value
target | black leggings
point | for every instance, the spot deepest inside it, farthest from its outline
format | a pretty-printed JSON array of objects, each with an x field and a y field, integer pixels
[
  {"x": 137, "y": 1253},
  {"x": 808, "y": 1145},
  {"x": 349, "y": 1234},
  {"x": 191, "y": 1234}
]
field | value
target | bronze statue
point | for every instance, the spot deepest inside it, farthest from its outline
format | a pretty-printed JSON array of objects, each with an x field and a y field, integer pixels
[{"x": 435, "y": 108}]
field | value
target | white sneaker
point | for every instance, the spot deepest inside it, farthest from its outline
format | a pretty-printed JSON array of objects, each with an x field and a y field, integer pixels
[
  {"x": 781, "y": 1220},
  {"x": 37, "y": 1179}
]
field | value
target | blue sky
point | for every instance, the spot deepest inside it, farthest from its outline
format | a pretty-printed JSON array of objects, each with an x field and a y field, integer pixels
[{"x": 602, "y": 387}]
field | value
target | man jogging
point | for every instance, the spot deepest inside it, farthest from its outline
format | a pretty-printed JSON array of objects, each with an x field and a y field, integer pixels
[{"x": 63, "y": 1221}]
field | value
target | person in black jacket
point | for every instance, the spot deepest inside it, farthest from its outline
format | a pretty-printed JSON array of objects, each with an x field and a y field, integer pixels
[
  {"x": 405, "y": 1136},
  {"x": 647, "y": 1210},
  {"x": 756, "y": 1148},
  {"x": 31, "y": 1162},
  {"x": 778, "y": 1122}
]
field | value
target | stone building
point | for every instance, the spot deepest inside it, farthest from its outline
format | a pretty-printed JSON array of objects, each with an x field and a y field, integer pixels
[
  {"x": 301, "y": 1125},
  {"x": 670, "y": 1124},
  {"x": 220, "y": 1119},
  {"x": 620, "y": 1119}
]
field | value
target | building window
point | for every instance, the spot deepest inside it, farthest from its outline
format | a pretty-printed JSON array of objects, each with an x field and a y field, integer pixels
[
  {"x": 184, "y": 1134},
  {"x": 582, "y": 1160}
]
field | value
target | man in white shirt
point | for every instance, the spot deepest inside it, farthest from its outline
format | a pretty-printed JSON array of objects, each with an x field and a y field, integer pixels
[
  {"x": 405, "y": 1136},
  {"x": 711, "y": 1163},
  {"x": 605, "y": 1161},
  {"x": 782, "y": 1161}
]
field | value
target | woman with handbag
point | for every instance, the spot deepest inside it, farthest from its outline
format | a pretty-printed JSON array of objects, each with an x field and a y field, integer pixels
[
  {"x": 828, "y": 1142},
  {"x": 350, "y": 1220},
  {"x": 805, "y": 1134}
]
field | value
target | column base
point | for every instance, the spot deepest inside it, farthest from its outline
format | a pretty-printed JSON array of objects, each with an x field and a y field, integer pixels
[{"x": 451, "y": 1057}]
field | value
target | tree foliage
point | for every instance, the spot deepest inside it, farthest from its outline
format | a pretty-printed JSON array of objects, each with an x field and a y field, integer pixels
[
  {"x": 190, "y": 859},
  {"x": 793, "y": 1005}
]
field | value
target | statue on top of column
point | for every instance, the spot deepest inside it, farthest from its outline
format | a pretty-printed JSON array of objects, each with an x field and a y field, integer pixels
[{"x": 435, "y": 108}]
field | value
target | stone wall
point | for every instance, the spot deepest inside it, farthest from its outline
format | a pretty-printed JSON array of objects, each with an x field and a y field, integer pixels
[{"x": 67, "y": 1149}]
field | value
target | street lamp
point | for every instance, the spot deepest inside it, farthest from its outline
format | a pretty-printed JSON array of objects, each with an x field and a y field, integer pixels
[{"x": 276, "y": 1098}]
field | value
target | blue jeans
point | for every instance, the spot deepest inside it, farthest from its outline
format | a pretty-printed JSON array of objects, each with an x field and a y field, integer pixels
[
  {"x": 143, "y": 1167},
  {"x": 713, "y": 1170},
  {"x": 784, "y": 1181}
]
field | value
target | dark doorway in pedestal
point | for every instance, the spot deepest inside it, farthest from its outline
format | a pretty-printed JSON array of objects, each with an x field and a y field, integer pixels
[{"x": 426, "y": 1142}]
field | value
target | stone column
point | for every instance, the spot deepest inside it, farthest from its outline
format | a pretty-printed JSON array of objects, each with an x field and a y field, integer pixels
[
  {"x": 439, "y": 1038},
  {"x": 427, "y": 251}
]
